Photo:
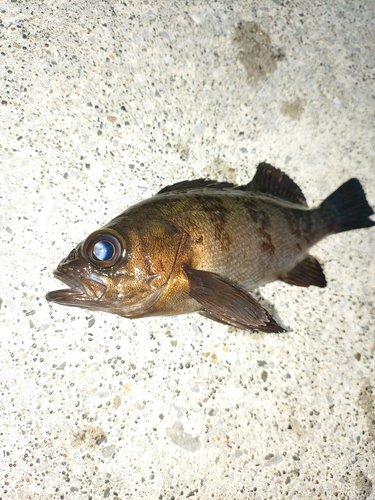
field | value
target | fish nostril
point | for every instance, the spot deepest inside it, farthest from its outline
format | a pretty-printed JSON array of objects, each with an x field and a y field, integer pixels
[{"x": 73, "y": 255}]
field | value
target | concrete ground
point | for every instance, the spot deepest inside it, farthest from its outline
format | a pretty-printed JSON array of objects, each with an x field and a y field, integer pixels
[{"x": 102, "y": 104}]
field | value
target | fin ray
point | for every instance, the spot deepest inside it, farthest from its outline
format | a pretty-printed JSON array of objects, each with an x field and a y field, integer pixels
[
  {"x": 228, "y": 303},
  {"x": 306, "y": 273},
  {"x": 182, "y": 186},
  {"x": 271, "y": 180},
  {"x": 267, "y": 180},
  {"x": 349, "y": 207}
]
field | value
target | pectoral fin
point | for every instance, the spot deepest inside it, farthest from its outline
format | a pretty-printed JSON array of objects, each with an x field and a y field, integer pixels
[
  {"x": 228, "y": 303},
  {"x": 306, "y": 273}
]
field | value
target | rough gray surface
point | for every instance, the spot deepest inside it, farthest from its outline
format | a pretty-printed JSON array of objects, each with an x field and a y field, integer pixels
[{"x": 102, "y": 104}]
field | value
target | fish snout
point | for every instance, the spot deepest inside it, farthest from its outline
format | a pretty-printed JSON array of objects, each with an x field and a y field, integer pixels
[{"x": 73, "y": 256}]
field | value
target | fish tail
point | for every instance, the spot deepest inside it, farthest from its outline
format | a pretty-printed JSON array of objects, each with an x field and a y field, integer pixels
[{"x": 349, "y": 207}]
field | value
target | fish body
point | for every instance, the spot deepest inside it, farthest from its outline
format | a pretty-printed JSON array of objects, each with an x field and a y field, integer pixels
[{"x": 204, "y": 245}]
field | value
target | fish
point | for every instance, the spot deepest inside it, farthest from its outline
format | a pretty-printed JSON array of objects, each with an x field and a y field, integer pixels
[{"x": 204, "y": 245}]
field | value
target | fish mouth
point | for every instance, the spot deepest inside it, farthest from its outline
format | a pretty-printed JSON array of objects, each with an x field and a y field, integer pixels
[{"x": 77, "y": 291}]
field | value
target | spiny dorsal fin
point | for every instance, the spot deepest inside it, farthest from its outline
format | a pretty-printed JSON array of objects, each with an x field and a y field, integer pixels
[
  {"x": 195, "y": 184},
  {"x": 271, "y": 180},
  {"x": 306, "y": 273},
  {"x": 267, "y": 180}
]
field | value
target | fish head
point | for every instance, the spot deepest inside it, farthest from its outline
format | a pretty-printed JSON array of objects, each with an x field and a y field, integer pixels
[{"x": 117, "y": 271}]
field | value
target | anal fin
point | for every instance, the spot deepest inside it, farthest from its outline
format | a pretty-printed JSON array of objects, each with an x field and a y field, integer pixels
[
  {"x": 228, "y": 303},
  {"x": 308, "y": 272}
]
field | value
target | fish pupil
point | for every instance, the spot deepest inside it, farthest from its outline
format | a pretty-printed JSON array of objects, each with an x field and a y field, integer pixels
[{"x": 103, "y": 250}]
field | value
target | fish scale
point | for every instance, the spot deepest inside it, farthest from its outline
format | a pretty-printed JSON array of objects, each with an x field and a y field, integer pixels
[{"x": 253, "y": 252}]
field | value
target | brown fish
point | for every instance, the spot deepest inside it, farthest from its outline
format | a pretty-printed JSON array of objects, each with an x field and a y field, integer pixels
[{"x": 202, "y": 245}]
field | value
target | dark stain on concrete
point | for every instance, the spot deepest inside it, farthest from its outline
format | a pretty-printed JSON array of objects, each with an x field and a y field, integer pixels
[
  {"x": 366, "y": 400},
  {"x": 293, "y": 109},
  {"x": 256, "y": 53},
  {"x": 90, "y": 437},
  {"x": 363, "y": 485}
]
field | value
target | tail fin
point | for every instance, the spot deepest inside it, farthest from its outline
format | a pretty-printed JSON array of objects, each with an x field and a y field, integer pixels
[{"x": 350, "y": 207}]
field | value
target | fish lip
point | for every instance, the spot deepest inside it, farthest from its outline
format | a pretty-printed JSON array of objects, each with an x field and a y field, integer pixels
[
  {"x": 69, "y": 279},
  {"x": 66, "y": 295},
  {"x": 77, "y": 291}
]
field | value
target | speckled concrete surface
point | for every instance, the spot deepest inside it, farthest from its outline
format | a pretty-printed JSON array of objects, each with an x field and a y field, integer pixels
[{"x": 102, "y": 104}]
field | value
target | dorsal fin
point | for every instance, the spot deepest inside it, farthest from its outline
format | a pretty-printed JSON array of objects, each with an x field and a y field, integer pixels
[
  {"x": 195, "y": 184},
  {"x": 267, "y": 180},
  {"x": 271, "y": 180}
]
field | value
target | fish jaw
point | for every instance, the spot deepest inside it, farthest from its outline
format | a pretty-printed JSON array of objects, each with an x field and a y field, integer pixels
[{"x": 82, "y": 290}]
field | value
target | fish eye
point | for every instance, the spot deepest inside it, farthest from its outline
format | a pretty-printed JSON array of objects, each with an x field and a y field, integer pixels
[{"x": 104, "y": 248}]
